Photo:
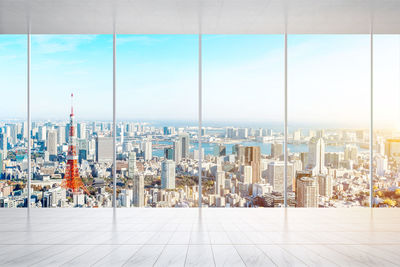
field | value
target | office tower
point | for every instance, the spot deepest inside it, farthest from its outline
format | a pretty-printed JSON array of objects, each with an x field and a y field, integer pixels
[
  {"x": 351, "y": 152},
  {"x": 219, "y": 150},
  {"x": 300, "y": 174},
  {"x": 184, "y": 142},
  {"x": 169, "y": 153},
  {"x": 276, "y": 150},
  {"x": 333, "y": 159},
  {"x": 3, "y": 145},
  {"x": 230, "y": 133},
  {"x": 297, "y": 135},
  {"x": 61, "y": 135},
  {"x": 381, "y": 165},
  {"x": 168, "y": 174},
  {"x": 392, "y": 149},
  {"x": 147, "y": 148},
  {"x": 131, "y": 164},
  {"x": 104, "y": 149},
  {"x": 325, "y": 186},
  {"x": 72, "y": 179},
  {"x": 82, "y": 130},
  {"x": 177, "y": 152},
  {"x": 242, "y": 133},
  {"x": 239, "y": 150},
  {"x": 52, "y": 143},
  {"x": 13, "y": 134},
  {"x": 138, "y": 190},
  {"x": 219, "y": 182},
  {"x": 316, "y": 155},
  {"x": 252, "y": 157},
  {"x": 276, "y": 176},
  {"x": 307, "y": 192},
  {"x": 42, "y": 133},
  {"x": 247, "y": 175}
]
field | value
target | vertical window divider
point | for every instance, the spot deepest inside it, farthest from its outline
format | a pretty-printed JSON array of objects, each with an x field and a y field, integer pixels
[
  {"x": 200, "y": 118},
  {"x": 28, "y": 103},
  {"x": 371, "y": 134},
  {"x": 114, "y": 125},
  {"x": 286, "y": 119}
]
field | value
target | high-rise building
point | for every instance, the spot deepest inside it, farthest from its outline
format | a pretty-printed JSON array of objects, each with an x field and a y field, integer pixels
[
  {"x": 177, "y": 152},
  {"x": 219, "y": 182},
  {"x": 81, "y": 130},
  {"x": 351, "y": 152},
  {"x": 219, "y": 150},
  {"x": 42, "y": 133},
  {"x": 392, "y": 149},
  {"x": 104, "y": 149},
  {"x": 52, "y": 143},
  {"x": 3, "y": 145},
  {"x": 316, "y": 156},
  {"x": 169, "y": 153},
  {"x": 307, "y": 192},
  {"x": 325, "y": 186},
  {"x": 242, "y": 133},
  {"x": 300, "y": 174},
  {"x": 138, "y": 190},
  {"x": 276, "y": 176},
  {"x": 168, "y": 174},
  {"x": 276, "y": 150},
  {"x": 131, "y": 165},
  {"x": 184, "y": 141},
  {"x": 61, "y": 135},
  {"x": 147, "y": 148},
  {"x": 252, "y": 157}
]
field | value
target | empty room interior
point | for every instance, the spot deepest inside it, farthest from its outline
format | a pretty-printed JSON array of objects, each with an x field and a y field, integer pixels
[{"x": 199, "y": 133}]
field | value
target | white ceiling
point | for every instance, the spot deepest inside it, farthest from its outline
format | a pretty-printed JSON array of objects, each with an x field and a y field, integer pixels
[{"x": 189, "y": 16}]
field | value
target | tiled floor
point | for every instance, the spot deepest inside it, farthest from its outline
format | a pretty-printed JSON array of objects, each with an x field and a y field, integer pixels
[{"x": 210, "y": 237}]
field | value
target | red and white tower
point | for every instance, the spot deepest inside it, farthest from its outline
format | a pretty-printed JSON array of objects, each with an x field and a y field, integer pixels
[{"x": 71, "y": 180}]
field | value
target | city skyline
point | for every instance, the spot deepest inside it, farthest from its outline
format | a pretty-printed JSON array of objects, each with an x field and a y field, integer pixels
[{"x": 83, "y": 64}]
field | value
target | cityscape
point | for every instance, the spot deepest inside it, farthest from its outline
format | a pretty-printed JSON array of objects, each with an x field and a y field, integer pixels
[{"x": 157, "y": 166}]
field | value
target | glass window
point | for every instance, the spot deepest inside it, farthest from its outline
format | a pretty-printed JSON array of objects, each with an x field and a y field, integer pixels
[
  {"x": 13, "y": 121},
  {"x": 328, "y": 113},
  {"x": 243, "y": 120},
  {"x": 157, "y": 120},
  {"x": 72, "y": 120}
]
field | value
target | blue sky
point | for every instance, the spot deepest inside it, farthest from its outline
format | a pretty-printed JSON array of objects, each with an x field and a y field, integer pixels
[{"x": 243, "y": 78}]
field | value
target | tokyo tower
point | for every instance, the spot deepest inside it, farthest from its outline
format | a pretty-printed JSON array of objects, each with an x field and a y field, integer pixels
[{"x": 71, "y": 180}]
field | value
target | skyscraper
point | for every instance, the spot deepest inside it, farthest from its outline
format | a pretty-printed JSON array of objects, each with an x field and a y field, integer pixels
[
  {"x": 219, "y": 182},
  {"x": 168, "y": 174},
  {"x": 184, "y": 142},
  {"x": 52, "y": 143},
  {"x": 3, "y": 144},
  {"x": 316, "y": 156},
  {"x": 81, "y": 130},
  {"x": 147, "y": 147},
  {"x": 131, "y": 165},
  {"x": 307, "y": 194},
  {"x": 276, "y": 176},
  {"x": 276, "y": 150},
  {"x": 252, "y": 157},
  {"x": 177, "y": 152},
  {"x": 169, "y": 153},
  {"x": 104, "y": 149},
  {"x": 138, "y": 190},
  {"x": 325, "y": 186}
]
